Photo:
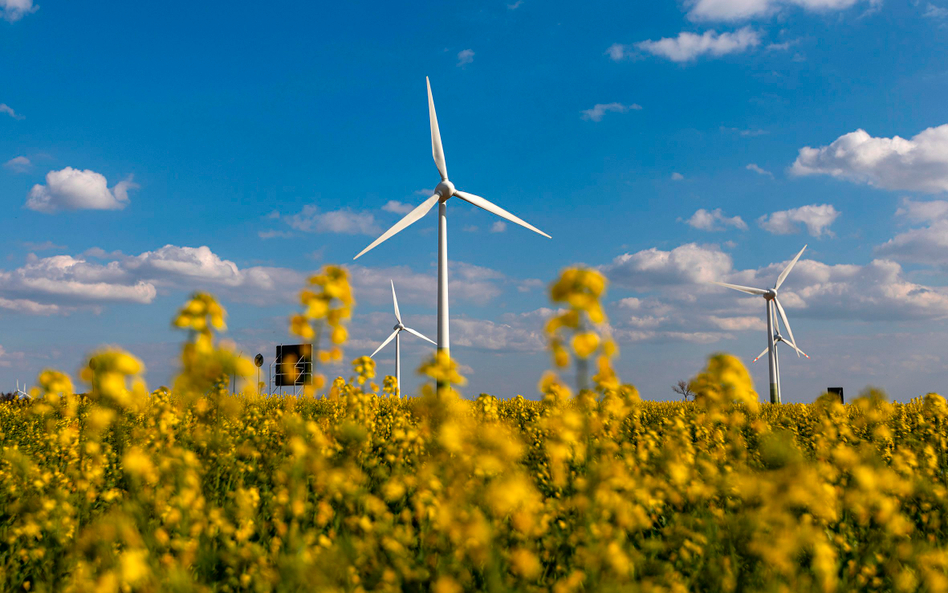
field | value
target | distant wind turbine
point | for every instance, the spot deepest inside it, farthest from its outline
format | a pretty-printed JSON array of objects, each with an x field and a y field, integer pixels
[
  {"x": 442, "y": 193},
  {"x": 777, "y": 337},
  {"x": 399, "y": 328},
  {"x": 773, "y": 330}
]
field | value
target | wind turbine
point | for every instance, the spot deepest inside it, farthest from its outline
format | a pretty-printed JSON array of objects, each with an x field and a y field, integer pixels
[
  {"x": 399, "y": 328},
  {"x": 442, "y": 193},
  {"x": 777, "y": 337},
  {"x": 773, "y": 330}
]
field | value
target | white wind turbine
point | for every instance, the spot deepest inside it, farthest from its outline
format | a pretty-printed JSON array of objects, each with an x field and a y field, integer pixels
[
  {"x": 442, "y": 193},
  {"x": 399, "y": 328},
  {"x": 773, "y": 330}
]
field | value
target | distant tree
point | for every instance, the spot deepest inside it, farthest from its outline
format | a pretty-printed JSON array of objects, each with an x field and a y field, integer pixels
[{"x": 682, "y": 389}]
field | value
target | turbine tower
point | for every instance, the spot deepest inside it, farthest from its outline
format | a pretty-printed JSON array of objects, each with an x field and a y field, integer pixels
[
  {"x": 777, "y": 337},
  {"x": 442, "y": 193},
  {"x": 399, "y": 328},
  {"x": 773, "y": 331}
]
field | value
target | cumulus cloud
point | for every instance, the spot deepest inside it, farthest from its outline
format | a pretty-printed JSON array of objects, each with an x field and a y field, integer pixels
[
  {"x": 600, "y": 109},
  {"x": 742, "y": 323},
  {"x": 651, "y": 268},
  {"x": 465, "y": 56},
  {"x": 397, "y": 207},
  {"x": 344, "y": 221},
  {"x": 927, "y": 245},
  {"x": 736, "y": 10},
  {"x": 677, "y": 176},
  {"x": 916, "y": 164},
  {"x": 675, "y": 301},
  {"x": 715, "y": 220},
  {"x": 917, "y": 211},
  {"x": 62, "y": 283},
  {"x": 489, "y": 335},
  {"x": 935, "y": 12},
  {"x": 470, "y": 283},
  {"x": 690, "y": 46},
  {"x": 19, "y": 164},
  {"x": 498, "y": 226},
  {"x": 4, "y": 108},
  {"x": 753, "y": 167},
  {"x": 72, "y": 189},
  {"x": 816, "y": 218},
  {"x": 14, "y": 10}
]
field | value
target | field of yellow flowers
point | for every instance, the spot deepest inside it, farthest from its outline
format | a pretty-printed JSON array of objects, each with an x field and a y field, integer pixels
[{"x": 350, "y": 488}]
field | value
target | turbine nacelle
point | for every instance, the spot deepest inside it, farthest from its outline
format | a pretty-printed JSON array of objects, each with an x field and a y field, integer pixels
[
  {"x": 445, "y": 189},
  {"x": 398, "y": 327},
  {"x": 771, "y": 294}
]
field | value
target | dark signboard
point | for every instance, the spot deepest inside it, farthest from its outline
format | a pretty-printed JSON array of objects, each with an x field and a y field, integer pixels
[{"x": 293, "y": 365}]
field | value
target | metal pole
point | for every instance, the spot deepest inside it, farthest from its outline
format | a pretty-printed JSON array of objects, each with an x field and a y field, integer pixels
[
  {"x": 398, "y": 365},
  {"x": 444, "y": 339},
  {"x": 771, "y": 359}
]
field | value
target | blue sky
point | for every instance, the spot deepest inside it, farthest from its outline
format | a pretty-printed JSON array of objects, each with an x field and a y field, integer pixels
[{"x": 151, "y": 149}]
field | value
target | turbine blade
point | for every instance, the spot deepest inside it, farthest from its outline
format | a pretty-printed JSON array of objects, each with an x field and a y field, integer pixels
[
  {"x": 747, "y": 289},
  {"x": 794, "y": 346},
  {"x": 411, "y": 331},
  {"x": 495, "y": 209},
  {"x": 783, "y": 274},
  {"x": 387, "y": 340},
  {"x": 786, "y": 324},
  {"x": 761, "y": 354},
  {"x": 437, "y": 151},
  {"x": 398, "y": 315},
  {"x": 410, "y": 218}
]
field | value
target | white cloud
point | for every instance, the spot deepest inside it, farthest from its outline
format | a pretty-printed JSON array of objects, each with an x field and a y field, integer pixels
[
  {"x": 19, "y": 164},
  {"x": 465, "y": 56},
  {"x": 273, "y": 234},
  {"x": 618, "y": 52},
  {"x": 760, "y": 171},
  {"x": 397, "y": 207},
  {"x": 816, "y": 218},
  {"x": 923, "y": 211},
  {"x": 485, "y": 334},
  {"x": 515, "y": 5},
  {"x": 63, "y": 279},
  {"x": 498, "y": 226},
  {"x": 687, "y": 264},
  {"x": 746, "y": 133},
  {"x": 677, "y": 176},
  {"x": 739, "y": 323},
  {"x": 62, "y": 283},
  {"x": 344, "y": 221},
  {"x": 935, "y": 12},
  {"x": 14, "y": 10},
  {"x": 600, "y": 109},
  {"x": 714, "y": 220},
  {"x": 927, "y": 245},
  {"x": 72, "y": 189},
  {"x": 916, "y": 164},
  {"x": 470, "y": 283},
  {"x": 736, "y": 10},
  {"x": 681, "y": 304},
  {"x": 44, "y": 246},
  {"x": 4, "y": 108},
  {"x": 29, "y": 307},
  {"x": 690, "y": 46}
]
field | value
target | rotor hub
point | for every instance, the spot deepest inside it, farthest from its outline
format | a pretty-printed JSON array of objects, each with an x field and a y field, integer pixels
[
  {"x": 771, "y": 294},
  {"x": 399, "y": 326},
  {"x": 445, "y": 189}
]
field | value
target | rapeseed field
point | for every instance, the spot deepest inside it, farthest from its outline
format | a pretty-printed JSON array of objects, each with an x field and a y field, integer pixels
[{"x": 349, "y": 488}]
